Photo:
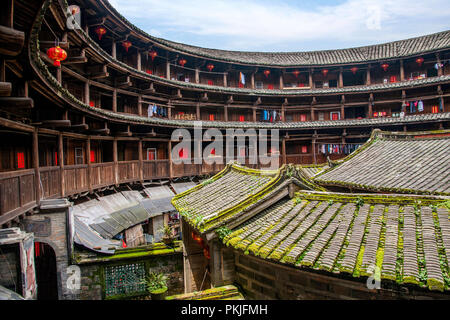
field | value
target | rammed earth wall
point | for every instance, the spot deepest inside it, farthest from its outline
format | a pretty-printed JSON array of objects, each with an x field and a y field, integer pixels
[{"x": 260, "y": 279}]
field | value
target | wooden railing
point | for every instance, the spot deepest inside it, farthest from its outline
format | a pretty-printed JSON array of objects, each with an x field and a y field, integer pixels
[
  {"x": 76, "y": 179},
  {"x": 156, "y": 169},
  {"x": 300, "y": 158},
  {"x": 17, "y": 193},
  {"x": 50, "y": 182},
  {"x": 102, "y": 174},
  {"x": 128, "y": 171}
]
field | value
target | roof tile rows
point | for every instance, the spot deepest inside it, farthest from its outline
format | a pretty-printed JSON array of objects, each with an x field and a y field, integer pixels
[
  {"x": 404, "y": 162},
  {"x": 354, "y": 237}
]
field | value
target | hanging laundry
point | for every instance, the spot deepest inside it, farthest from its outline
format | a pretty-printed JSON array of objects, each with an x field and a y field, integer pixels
[{"x": 420, "y": 106}]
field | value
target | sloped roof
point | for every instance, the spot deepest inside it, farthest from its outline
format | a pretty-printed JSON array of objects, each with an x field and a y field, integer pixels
[
  {"x": 406, "y": 237},
  {"x": 314, "y": 169},
  {"x": 416, "y": 163},
  {"x": 231, "y": 191},
  {"x": 395, "y": 49}
]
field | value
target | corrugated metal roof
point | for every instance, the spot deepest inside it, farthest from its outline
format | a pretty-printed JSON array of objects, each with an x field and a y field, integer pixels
[
  {"x": 6, "y": 294},
  {"x": 183, "y": 186},
  {"x": 87, "y": 237}
]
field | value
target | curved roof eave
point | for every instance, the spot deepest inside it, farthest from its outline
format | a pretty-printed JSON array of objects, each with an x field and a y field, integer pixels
[{"x": 380, "y": 52}]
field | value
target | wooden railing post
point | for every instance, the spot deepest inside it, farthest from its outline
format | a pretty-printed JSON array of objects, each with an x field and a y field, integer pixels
[
  {"x": 169, "y": 146},
  {"x": 116, "y": 162},
  {"x": 88, "y": 158},
  {"x": 141, "y": 161},
  {"x": 61, "y": 163},
  {"x": 37, "y": 175}
]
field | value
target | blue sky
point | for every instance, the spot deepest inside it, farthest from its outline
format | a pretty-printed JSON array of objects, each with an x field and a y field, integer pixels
[{"x": 286, "y": 25}]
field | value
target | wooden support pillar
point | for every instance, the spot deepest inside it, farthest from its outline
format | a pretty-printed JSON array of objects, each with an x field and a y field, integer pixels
[
  {"x": 37, "y": 176},
  {"x": 283, "y": 150},
  {"x": 87, "y": 97},
  {"x": 225, "y": 79},
  {"x": 89, "y": 165},
  {"x": 342, "y": 112},
  {"x": 368, "y": 79},
  {"x": 116, "y": 161},
  {"x": 252, "y": 81},
  {"x": 402, "y": 71},
  {"x": 168, "y": 70},
  {"x": 225, "y": 113},
  {"x": 140, "y": 105},
  {"x": 370, "y": 110},
  {"x": 197, "y": 111},
  {"x": 7, "y": 13},
  {"x": 254, "y": 114},
  {"x": 197, "y": 75},
  {"x": 114, "y": 101},
  {"x": 313, "y": 114},
  {"x": 114, "y": 49},
  {"x": 61, "y": 163},
  {"x": 169, "y": 147},
  {"x": 313, "y": 146},
  {"x": 440, "y": 71},
  {"x": 281, "y": 81},
  {"x": 310, "y": 78},
  {"x": 169, "y": 110},
  {"x": 139, "y": 61},
  {"x": 283, "y": 111},
  {"x": 141, "y": 161},
  {"x": 2, "y": 70},
  {"x": 341, "y": 77}
]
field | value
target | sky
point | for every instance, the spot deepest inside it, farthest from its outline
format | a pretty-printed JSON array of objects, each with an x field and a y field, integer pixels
[{"x": 286, "y": 25}]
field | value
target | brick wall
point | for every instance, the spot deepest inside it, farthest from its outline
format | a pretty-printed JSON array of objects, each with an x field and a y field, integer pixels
[{"x": 261, "y": 279}]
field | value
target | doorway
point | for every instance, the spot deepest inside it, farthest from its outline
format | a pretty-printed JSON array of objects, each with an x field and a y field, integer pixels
[{"x": 45, "y": 264}]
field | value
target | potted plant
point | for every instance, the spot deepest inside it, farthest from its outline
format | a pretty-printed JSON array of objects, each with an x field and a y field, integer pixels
[
  {"x": 167, "y": 232},
  {"x": 157, "y": 285}
]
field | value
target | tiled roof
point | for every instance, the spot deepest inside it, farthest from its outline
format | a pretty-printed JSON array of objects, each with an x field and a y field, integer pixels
[
  {"x": 313, "y": 170},
  {"x": 229, "y": 292},
  {"x": 406, "y": 237},
  {"x": 219, "y": 199},
  {"x": 396, "y": 162},
  {"x": 379, "y": 52}
]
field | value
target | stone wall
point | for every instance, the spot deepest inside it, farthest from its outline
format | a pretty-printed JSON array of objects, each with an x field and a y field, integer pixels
[
  {"x": 9, "y": 262},
  {"x": 93, "y": 275},
  {"x": 260, "y": 279}
]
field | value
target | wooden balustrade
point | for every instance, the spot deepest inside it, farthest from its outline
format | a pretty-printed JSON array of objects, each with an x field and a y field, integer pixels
[
  {"x": 156, "y": 169},
  {"x": 76, "y": 179},
  {"x": 299, "y": 159},
  {"x": 102, "y": 174},
  {"x": 17, "y": 193},
  {"x": 50, "y": 182},
  {"x": 128, "y": 171}
]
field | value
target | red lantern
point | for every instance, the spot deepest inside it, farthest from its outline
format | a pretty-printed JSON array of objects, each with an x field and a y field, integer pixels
[
  {"x": 182, "y": 62},
  {"x": 153, "y": 54},
  {"x": 57, "y": 55},
  {"x": 210, "y": 67},
  {"x": 420, "y": 61},
  {"x": 354, "y": 69},
  {"x": 385, "y": 66},
  {"x": 126, "y": 44},
  {"x": 266, "y": 73},
  {"x": 325, "y": 72},
  {"x": 296, "y": 73},
  {"x": 100, "y": 31},
  {"x": 206, "y": 253}
]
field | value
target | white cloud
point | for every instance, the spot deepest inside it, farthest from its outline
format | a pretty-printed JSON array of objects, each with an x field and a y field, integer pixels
[{"x": 262, "y": 25}]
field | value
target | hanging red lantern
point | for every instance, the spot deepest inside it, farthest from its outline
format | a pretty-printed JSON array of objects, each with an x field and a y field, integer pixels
[
  {"x": 153, "y": 54},
  {"x": 100, "y": 31},
  {"x": 385, "y": 66},
  {"x": 296, "y": 73},
  {"x": 206, "y": 253},
  {"x": 325, "y": 72},
  {"x": 57, "y": 55},
  {"x": 210, "y": 67},
  {"x": 420, "y": 61},
  {"x": 126, "y": 44},
  {"x": 266, "y": 73},
  {"x": 182, "y": 62},
  {"x": 354, "y": 69}
]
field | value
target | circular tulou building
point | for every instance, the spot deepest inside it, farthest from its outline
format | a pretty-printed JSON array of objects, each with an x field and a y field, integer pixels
[{"x": 93, "y": 164}]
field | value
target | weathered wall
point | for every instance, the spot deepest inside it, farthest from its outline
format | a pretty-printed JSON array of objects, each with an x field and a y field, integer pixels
[
  {"x": 9, "y": 262},
  {"x": 261, "y": 279},
  {"x": 93, "y": 275},
  {"x": 51, "y": 228}
]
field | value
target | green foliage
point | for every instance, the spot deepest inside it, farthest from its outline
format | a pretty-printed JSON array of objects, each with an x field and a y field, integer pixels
[
  {"x": 359, "y": 202},
  {"x": 206, "y": 182},
  {"x": 156, "y": 282},
  {"x": 166, "y": 230},
  {"x": 222, "y": 232}
]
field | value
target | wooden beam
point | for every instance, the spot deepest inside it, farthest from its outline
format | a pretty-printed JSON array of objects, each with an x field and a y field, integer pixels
[
  {"x": 11, "y": 41},
  {"x": 16, "y": 103},
  {"x": 56, "y": 123},
  {"x": 75, "y": 60},
  {"x": 49, "y": 44},
  {"x": 5, "y": 89}
]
